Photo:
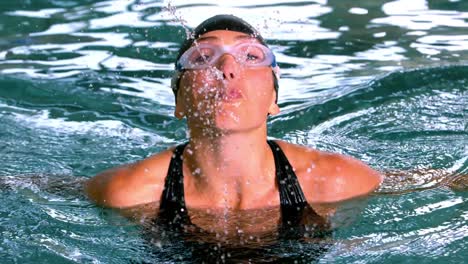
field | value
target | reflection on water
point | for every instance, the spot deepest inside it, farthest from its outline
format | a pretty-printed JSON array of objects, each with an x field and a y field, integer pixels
[
  {"x": 238, "y": 237},
  {"x": 84, "y": 86}
]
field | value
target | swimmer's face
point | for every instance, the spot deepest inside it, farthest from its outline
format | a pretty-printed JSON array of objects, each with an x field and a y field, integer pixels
[{"x": 229, "y": 94}]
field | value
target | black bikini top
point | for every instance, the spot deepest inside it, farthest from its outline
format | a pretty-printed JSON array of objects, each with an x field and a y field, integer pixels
[{"x": 294, "y": 206}]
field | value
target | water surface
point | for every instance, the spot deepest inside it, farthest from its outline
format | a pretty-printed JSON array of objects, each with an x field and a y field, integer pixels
[{"x": 84, "y": 86}]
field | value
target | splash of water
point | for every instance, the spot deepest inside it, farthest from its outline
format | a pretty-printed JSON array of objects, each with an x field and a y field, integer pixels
[
  {"x": 225, "y": 209},
  {"x": 172, "y": 10}
]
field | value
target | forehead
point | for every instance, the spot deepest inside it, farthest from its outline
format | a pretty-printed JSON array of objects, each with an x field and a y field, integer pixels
[{"x": 226, "y": 37}]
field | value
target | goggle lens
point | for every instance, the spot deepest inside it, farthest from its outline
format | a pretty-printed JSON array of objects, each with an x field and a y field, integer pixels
[{"x": 205, "y": 55}]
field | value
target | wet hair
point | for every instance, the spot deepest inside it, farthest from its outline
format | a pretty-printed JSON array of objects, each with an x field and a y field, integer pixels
[{"x": 219, "y": 22}]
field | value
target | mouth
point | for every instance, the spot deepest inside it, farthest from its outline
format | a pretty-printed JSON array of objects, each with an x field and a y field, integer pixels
[{"x": 232, "y": 95}]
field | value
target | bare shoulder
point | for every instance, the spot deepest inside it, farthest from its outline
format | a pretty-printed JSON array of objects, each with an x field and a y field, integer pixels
[
  {"x": 130, "y": 185},
  {"x": 329, "y": 177}
]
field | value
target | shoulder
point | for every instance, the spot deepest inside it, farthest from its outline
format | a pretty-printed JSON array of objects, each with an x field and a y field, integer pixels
[
  {"x": 133, "y": 184},
  {"x": 329, "y": 177}
]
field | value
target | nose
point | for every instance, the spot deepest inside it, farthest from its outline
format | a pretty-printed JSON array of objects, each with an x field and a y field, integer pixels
[{"x": 228, "y": 65}]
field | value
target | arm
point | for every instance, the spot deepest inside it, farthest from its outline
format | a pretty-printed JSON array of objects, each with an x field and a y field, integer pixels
[
  {"x": 130, "y": 185},
  {"x": 399, "y": 181},
  {"x": 344, "y": 191},
  {"x": 105, "y": 189},
  {"x": 330, "y": 181},
  {"x": 65, "y": 186},
  {"x": 340, "y": 178}
]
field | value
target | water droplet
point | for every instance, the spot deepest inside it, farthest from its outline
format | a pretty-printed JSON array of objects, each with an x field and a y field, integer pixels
[{"x": 158, "y": 244}]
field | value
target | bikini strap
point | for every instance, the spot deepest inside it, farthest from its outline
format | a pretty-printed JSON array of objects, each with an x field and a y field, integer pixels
[
  {"x": 293, "y": 203},
  {"x": 172, "y": 209},
  {"x": 294, "y": 206},
  {"x": 290, "y": 190}
]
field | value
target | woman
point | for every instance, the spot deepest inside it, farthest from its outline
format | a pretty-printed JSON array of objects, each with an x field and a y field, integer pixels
[{"x": 226, "y": 87}]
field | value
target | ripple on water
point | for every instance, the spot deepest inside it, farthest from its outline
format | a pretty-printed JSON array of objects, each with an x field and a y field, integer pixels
[
  {"x": 53, "y": 222},
  {"x": 415, "y": 225},
  {"x": 85, "y": 86},
  {"x": 403, "y": 120}
]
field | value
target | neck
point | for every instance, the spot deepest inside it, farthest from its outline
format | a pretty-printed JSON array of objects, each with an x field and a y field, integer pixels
[{"x": 230, "y": 165}]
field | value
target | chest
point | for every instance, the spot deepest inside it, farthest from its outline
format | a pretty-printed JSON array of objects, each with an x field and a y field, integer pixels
[{"x": 237, "y": 223}]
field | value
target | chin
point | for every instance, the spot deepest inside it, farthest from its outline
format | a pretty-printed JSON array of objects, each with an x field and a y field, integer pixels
[
  {"x": 227, "y": 120},
  {"x": 235, "y": 122}
]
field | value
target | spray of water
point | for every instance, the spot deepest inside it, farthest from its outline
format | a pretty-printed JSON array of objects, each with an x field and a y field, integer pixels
[
  {"x": 205, "y": 108},
  {"x": 172, "y": 10}
]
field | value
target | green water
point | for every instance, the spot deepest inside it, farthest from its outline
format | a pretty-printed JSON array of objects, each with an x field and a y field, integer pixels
[{"x": 84, "y": 86}]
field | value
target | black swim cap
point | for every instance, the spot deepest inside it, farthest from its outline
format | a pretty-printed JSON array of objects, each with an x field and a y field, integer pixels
[{"x": 219, "y": 22}]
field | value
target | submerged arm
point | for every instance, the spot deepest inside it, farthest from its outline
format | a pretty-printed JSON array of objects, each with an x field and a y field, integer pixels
[
  {"x": 62, "y": 185},
  {"x": 399, "y": 181}
]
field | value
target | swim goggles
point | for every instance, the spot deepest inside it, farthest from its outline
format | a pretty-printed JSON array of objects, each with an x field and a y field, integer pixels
[{"x": 204, "y": 55}]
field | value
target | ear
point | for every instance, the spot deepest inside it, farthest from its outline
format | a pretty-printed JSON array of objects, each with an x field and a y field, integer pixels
[{"x": 274, "y": 108}]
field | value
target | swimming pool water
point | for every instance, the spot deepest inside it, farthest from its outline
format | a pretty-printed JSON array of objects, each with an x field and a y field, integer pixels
[{"x": 84, "y": 86}]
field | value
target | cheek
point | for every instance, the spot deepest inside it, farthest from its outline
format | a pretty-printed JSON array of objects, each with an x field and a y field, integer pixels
[
  {"x": 198, "y": 92},
  {"x": 200, "y": 83},
  {"x": 261, "y": 86}
]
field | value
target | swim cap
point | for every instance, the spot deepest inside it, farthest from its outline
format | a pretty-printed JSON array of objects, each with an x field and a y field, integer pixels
[{"x": 219, "y": 22}]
